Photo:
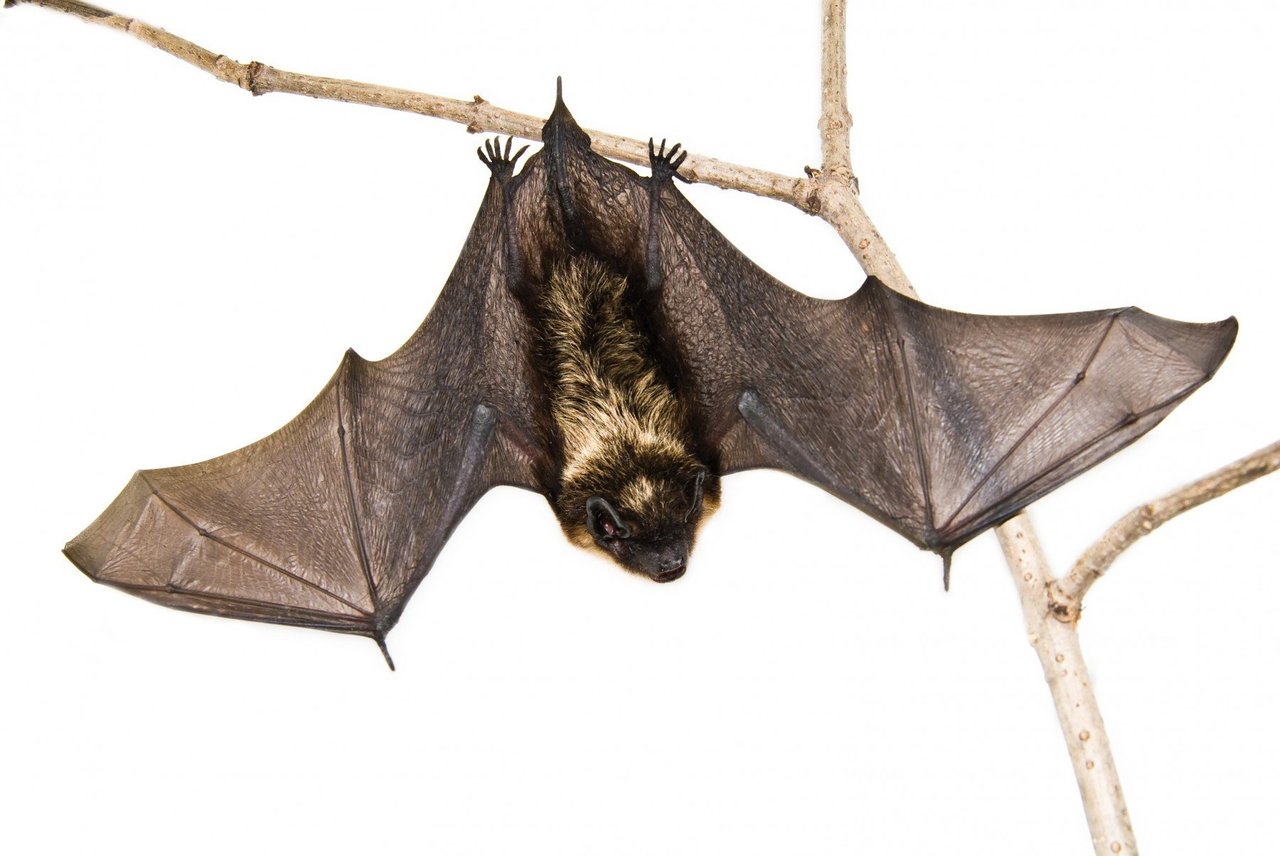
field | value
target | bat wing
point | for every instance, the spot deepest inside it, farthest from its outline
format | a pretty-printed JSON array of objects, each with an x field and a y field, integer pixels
[
  {"x": 937, "y": 423},
  {"x": 942, "y": 424},
  {"x": 332, "y": 521}
]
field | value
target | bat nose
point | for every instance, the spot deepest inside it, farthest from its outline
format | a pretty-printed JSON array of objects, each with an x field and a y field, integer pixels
[
  {"x": 671, "y": 567},
  {"x": 668, "y": 575}
]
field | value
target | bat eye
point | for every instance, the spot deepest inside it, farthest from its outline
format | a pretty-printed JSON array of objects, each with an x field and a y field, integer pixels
[
  {"x": 695, "y": 493},
  {"x": 603, "y": 521}
]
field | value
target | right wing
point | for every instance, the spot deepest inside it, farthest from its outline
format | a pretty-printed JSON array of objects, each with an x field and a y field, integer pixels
[
  {"x": 943, "y": 424},
  {"x": 332, "y": 521},
  {"x": 937, "y": 423}
]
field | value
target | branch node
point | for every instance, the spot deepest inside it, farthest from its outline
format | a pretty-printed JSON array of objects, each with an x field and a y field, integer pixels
[
  {"x": 811, "y": 200},
  {"x": 256, "y": 78},
  {"x": 1062, "y": 606}
]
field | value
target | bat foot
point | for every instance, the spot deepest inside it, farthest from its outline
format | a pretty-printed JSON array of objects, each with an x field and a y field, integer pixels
[
  {"x": 499, "y": 158},
  {"x": 666, "y": 163}
]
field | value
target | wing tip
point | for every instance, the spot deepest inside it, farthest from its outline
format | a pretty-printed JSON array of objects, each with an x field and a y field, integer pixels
[
  {"x": 77, "y": 554},
  {"x": 1205, "y": 344},
  {"x": 90, "y": 551},
  {"x": 1230, "y": 328}
]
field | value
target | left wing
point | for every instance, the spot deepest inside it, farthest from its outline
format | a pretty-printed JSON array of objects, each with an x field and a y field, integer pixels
[{"x": 332, "y": 521}]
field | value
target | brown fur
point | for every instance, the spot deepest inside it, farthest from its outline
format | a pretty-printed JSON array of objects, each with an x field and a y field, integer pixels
[{"x": 622, "y": 431}]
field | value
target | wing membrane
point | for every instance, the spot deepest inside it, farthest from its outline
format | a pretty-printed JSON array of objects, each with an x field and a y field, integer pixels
[{"x": 332, "y": 521}]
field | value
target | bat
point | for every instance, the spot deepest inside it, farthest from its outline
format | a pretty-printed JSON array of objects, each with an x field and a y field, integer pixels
[{"x": 599, "y": 342}]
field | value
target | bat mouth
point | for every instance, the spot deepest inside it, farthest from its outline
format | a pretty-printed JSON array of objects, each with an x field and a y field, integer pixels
[{"x": 669, "y": 575}]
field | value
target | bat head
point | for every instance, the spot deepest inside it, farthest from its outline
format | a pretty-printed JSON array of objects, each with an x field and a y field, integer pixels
[{"x": 647, "y": 522}]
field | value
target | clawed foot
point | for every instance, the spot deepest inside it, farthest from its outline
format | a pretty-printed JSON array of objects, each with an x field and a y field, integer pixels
[
  {"x": 665, "y": 163},
  {"x": 500, "y": 161}
]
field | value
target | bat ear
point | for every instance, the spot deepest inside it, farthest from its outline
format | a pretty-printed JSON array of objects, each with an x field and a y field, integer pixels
[
  {"x": 603, "y": 521},
  {"x": 695, "y": 492}
]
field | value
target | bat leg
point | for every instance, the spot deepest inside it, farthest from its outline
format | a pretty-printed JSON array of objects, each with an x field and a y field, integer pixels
[
  {"x": 502, "y": 165},
  {"x": 665, "y": 165}
]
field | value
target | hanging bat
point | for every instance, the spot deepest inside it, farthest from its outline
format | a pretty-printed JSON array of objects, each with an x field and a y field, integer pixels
[{"x": 599, "y": 342}]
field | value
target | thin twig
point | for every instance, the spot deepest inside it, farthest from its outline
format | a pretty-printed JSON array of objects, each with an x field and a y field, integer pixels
[
  {"x": 834, "y": 194},
  {"x": 834, "y": 122},
  {"x": 1068, "y": 592}
]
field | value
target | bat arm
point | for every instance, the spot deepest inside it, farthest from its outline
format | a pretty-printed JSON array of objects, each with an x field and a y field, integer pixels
[
  {"x": 468, "y": 485},
  {"x": 761, "y": 418},
  {"x": 479, "y": 438}
]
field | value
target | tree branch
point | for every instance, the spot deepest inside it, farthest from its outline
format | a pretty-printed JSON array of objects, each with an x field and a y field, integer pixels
[
  {"x": 1058, "y": 646},
  {"x": 810, "y": 194},
  {"x": 477, "y": 115},
  {"x": 1068, "y": 592}
]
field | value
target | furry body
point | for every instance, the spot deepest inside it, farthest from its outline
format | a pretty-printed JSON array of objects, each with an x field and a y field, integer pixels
[{"x": 622, "y": 432}]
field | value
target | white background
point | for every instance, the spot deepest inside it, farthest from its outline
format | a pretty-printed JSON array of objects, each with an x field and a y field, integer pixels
[{"x": 184, "y": 266}]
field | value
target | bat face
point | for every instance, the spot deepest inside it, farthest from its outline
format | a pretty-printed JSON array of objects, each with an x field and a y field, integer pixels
[
  {"x": 661, "y": 555},
  {"x": 650, "y": 530}
]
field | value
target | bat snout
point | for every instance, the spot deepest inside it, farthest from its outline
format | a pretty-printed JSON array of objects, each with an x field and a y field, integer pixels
[
  {"x": 668, "y": 564},
  {"x": 669, "y": 572}
]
